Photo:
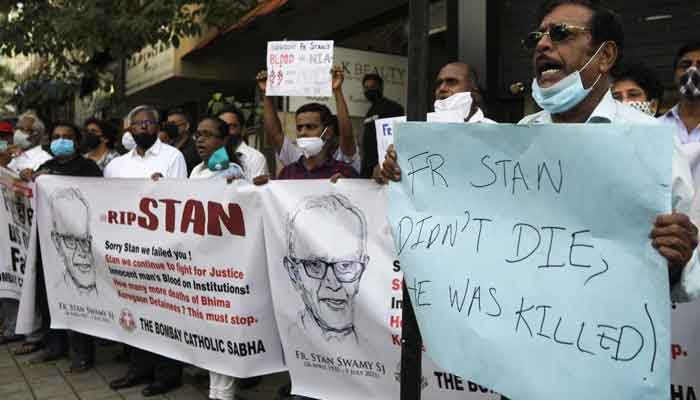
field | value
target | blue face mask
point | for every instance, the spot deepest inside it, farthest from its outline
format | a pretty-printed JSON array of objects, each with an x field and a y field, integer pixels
[
  {"x": 219, "y": 160},
  {"x": 565, "y": 94},
  {"x": 62, "y": 147}
]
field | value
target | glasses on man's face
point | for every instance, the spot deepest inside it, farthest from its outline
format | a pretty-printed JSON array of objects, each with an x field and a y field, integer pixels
[
  {"x": 72, "y": 242},
  {"x": 206, "y": 135},
  {"x": 557, "y": 33},
  {"x": 345, "y": 271},
  {"x": 143, "y": 124}
]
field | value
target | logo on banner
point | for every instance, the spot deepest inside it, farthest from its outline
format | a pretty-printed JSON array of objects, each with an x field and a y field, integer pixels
[
  {"x": 327, "y": 274},
  {"x": 127, "y": 321}
]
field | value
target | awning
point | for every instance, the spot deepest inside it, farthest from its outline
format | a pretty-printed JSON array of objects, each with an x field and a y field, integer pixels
[{"x": 265, "y": 8}]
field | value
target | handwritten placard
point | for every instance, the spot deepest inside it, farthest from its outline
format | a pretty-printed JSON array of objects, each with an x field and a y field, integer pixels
[
  {"x": 299, "y": 68},
  {"x": 527, "y": 254}
]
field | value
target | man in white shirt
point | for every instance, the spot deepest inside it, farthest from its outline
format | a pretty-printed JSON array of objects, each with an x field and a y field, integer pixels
[
  {"x": 26, "y": 152},
  {"x": 685, "y": 116},
  {"x": 149, "y": 159},
  {"x": 567, "y": 46},
  {"x": 150, "y": 156},
  {"x": 286, "y": 150},
  {"x": 581, "y": 49},
  {"x": 254, "y": 162}
]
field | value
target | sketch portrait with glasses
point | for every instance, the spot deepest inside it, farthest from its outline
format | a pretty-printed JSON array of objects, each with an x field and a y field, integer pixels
[
  {"x": 326, "y": 258},
  {"x": 70, "y": 234}
]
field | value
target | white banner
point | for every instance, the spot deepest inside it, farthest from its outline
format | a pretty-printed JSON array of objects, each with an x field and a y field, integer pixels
[
  {"x": 356, "y": 64},
  {"x": 17, "y": 218},
  {"x": 338, "y": 294},
  {"x": 299, "y": 68},
  {"x": 176, "y": 269}
]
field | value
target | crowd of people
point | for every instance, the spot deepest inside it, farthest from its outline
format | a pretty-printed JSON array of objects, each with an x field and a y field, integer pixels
[{"x": 575, "y": 45}]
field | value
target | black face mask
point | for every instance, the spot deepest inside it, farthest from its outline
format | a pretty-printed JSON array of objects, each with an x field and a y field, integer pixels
[
  {"x": 91, "y": 141},
  {"x": 144, "y": 140},
  {"x": 172, "y": 131},
  {"x": 373, "y": 94}
]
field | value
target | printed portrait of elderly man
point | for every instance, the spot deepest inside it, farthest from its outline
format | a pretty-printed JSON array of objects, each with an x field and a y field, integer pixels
[
  {"x": 70, "y": 235},
  {"x": 327, "y": 255}
]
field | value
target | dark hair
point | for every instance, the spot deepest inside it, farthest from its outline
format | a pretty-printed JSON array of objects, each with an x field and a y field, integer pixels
[
  {"x": 230, "y": 108},
  {"x": 644, "y": 77},
  {"x": 324, "y": 112},
  {"x": 179, "y": 111},
  {"x": 71, "y": 126},
  {"x": 687, "y": 48},
  {"x": 109, "y": 132},
  {"x": 373, "y": 77},
  {"x": 605, "y": 24},
  {"x": 233, "y": 142}
]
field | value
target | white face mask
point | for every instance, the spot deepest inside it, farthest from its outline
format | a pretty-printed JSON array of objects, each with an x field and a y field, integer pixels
[
  {"x": 21, "y": 139},
  {"x": 460, "y": 102},
  {"x": 311, "y": 146},
  {"x": 128, "y": 141},
  {"x": 643, "y": 106}
]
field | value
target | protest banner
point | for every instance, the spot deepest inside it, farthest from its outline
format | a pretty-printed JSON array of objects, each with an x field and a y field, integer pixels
[
  {"x": 17, "y": 216},
  {"x": 685, "y": 358},
  {"x": 529, "y": 247},
  {"x": 356, "y": 64},
  {"x": 384, "y": 127},
  {"x": 338, "y": 295},
  {"x": 299, "y": 68},
  {"x": 175, "y": 268}
]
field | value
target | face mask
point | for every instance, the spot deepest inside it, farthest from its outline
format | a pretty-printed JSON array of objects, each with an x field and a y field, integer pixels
[
  {"x": 565, "y": 94},
  {"x": 311, "y": 146},
  {"x": 460, "y": 102},
  {"x": 91, "y": 141},
  {"x": 219, "y": 160},
  {"x": 62, "y": 147},
  {"x": 21, "y": 139},
  {"x": 144, "y": 140},
  {"x": 690, "y": 82},
  {"x": 373, "y": 94},
  {"x": 643, "y": 106},
  {"x": 171, "y": 131},
  {"x": 128, "y": 141}
]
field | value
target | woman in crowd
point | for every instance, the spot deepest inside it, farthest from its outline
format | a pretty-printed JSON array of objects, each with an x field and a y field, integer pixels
[
  {"x": 99, "y": 142},
  {"x": 638, "y": 87}
]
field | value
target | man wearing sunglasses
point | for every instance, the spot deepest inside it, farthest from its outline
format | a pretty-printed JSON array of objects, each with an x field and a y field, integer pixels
[
  {"x": 574, "y": 50},
  {"x": 327, "y": 274}
]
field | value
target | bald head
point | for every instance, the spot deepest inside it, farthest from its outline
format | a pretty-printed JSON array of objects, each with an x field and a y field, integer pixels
[{"x": 455, "y": 77}]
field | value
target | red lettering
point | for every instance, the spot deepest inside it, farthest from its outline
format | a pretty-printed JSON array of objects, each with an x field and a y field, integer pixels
[
  {"x": 150, "y": 221},
  {"x": 193, "y": 214},
  {"x": 170, "y": 213},
  {"x": 233, "y": 221},
  {"x": 130, "y": 217},
  {"x": 396, "y": 284},
  {"x": 111, "y": 217},
  {"x": 395, "y": 321},
  {"x": 396, "y": 340}
]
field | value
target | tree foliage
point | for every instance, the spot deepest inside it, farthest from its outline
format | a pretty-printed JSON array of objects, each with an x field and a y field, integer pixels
[{"x": 79, "y": 36}]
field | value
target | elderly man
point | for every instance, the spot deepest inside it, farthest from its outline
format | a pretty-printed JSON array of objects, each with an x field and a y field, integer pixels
[
  {"x": 26, "y": 151},
  {"x": 327, "y": 279},
  {"x": 149, "y": 159},
  {"x": 574, "y": 50}
]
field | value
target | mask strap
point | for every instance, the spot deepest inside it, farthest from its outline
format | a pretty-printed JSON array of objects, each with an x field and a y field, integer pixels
[
  {"x": 323, "y": 133},
  {"x": 593, "y": 56}
]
